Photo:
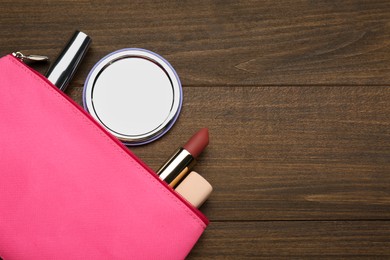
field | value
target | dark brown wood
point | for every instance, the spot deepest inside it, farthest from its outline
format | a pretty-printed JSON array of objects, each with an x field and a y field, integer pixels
[
  {"x": 219, "y": 42},
  {"x": 296, "y": 97},
  {"x": 295, "y": 240},
  {"x": 287, "y": 153}
]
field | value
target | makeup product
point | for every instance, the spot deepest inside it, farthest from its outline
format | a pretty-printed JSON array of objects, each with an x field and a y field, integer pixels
[
  {"x": 64, "y": 67},
  {"x": 195, "y": 189},
  {"x": 182, "y": 161},
  {"x": 135, "y": 94}
]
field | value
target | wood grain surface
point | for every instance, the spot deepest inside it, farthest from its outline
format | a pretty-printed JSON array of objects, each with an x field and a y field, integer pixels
[{"x": 296, "y": 97}]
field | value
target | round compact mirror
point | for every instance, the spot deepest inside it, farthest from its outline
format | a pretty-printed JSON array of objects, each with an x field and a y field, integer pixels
[{"x": 135, "y": 94}]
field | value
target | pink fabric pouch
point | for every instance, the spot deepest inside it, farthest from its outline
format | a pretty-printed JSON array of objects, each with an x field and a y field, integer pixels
[{"x": 69, "y": 190}]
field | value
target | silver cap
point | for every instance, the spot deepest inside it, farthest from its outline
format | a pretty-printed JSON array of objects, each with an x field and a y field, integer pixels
[{"x": 64, "y": 67}]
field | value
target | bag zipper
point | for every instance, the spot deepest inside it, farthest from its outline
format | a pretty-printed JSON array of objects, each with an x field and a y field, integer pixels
[
  {"x": 38, "y": 58},
  {"x": 30, "y": 58}
]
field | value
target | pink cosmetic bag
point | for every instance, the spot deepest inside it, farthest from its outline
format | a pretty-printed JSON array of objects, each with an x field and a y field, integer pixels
[{"x": 69, "y": 190}]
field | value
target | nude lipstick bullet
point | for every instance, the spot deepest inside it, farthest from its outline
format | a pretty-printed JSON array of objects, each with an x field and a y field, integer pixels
[{"x": 182, "y": 161}]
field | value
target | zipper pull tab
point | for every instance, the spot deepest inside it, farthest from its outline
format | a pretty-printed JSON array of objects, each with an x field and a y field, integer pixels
[{"x": 30, "y": 58}]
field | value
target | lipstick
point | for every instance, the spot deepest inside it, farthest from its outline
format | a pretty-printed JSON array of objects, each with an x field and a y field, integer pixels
[
  {"x": 65, "y": 66},
  {"x": 181, "y": 162}
]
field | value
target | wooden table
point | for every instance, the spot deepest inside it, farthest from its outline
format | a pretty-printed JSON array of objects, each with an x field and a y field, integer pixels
[{"x": 296, "y": 97}]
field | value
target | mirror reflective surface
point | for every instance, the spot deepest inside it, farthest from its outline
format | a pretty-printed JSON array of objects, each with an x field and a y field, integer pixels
[{"x": 135, "y": 94}]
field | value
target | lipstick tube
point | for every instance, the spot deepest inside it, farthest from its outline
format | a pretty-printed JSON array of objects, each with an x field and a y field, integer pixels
[
  {"x": 65, "y": 66},
  {"x": 177, "y": 167},
  {"x": 181, "y": 162}
]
